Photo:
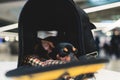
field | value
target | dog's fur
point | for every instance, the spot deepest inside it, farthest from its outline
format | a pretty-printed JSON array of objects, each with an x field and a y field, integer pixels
[{"x": 71, "y": 50}]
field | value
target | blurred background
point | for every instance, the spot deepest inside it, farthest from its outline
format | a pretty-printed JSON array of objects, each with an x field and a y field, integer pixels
[{"x": 104, "y": 14}]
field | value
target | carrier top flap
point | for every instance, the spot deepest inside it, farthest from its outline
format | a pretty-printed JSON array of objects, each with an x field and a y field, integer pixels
[{"x": 63, "y": 16}]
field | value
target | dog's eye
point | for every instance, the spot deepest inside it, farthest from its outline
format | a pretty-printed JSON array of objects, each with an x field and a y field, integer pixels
[
  {"x": 65, "y": 49},
  {"x": 74, "y": 49}
]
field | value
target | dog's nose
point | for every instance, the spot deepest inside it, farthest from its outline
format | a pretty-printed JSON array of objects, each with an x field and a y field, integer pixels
[{"x": 72, "y": 57}]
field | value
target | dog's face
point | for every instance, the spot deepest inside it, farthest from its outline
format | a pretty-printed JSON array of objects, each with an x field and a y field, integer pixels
[{"x": 67, "y": 50}]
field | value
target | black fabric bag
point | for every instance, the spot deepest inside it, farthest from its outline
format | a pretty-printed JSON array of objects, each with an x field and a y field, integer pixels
[{"x": 64, "y": 16}]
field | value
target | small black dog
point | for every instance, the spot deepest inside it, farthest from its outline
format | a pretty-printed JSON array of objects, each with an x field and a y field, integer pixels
[{"x": 66, "y": 51}]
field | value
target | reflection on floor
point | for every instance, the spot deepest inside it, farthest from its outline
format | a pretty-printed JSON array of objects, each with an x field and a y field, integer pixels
[
  {"x": 8, "y": 57},
  {"x": 114, "y": 65}
]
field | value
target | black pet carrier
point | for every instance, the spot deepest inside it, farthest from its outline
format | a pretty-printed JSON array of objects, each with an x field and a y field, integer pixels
[{"x": 63, "y": 16}]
